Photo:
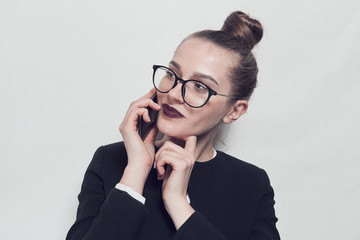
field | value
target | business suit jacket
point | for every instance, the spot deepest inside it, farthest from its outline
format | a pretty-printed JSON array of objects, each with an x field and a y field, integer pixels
[{"x": 232, "y": 200}]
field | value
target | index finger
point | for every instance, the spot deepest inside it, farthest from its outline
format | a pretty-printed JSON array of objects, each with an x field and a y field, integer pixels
[
  {"x": 190, "y": 144},
  {"x": 149, "y": 94}
]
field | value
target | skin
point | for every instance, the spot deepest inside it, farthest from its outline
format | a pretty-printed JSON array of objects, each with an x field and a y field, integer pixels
[{"x": 187, "y": 139}]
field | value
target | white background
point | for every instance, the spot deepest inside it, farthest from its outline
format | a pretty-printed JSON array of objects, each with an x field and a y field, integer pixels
[{"x": 70, "y": 68}]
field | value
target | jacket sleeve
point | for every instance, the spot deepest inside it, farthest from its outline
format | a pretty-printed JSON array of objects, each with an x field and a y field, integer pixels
[
  {"x": 265, "y": 222},
  {"x": 197, "y": 227},
  {"x": 115, "y": 216}
]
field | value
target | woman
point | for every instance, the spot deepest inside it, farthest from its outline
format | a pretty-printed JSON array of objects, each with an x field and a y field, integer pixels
[{"x": 191, "y": 190}]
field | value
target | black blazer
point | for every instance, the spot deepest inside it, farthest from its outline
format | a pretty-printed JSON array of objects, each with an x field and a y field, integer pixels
[{"x": 232, "y": 200}]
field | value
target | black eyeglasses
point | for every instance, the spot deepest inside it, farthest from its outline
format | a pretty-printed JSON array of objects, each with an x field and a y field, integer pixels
[{"x": 195, "y": 93}]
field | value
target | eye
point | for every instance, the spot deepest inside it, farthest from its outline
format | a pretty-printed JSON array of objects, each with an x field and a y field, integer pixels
[
  {"x": 199, "y": 87},
  {"x": 169, "y": 75}
]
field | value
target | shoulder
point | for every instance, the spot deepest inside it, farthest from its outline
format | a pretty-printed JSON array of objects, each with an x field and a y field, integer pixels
[
  {"x": 242, "y": 169},
  {"x": 110, "y": 155},
  {"x": 238, "y": 164},
  {"x": 108, "y": 163},
  {"x": 111, "y": 150},
  {"x": 114, "y": 149}
]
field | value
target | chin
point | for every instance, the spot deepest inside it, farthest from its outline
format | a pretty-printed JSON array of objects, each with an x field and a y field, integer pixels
[{"x": 172, "y": 130}]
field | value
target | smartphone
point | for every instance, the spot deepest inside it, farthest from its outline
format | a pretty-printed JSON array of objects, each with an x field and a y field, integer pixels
[{"x": 143, "y": 128}]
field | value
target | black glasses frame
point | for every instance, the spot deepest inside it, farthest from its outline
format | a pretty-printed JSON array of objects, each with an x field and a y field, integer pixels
[{"x": 178, "y": 79}]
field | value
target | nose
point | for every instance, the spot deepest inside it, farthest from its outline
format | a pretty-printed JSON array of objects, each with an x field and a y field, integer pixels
[{"x": 175, "y": 93}]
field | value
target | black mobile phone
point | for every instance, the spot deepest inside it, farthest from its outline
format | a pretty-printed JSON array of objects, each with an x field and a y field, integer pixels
[{"x": 143, "y": 128}]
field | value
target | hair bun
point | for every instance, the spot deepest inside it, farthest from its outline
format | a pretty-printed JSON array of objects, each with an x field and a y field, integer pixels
[{"x": 241, "y": 26}]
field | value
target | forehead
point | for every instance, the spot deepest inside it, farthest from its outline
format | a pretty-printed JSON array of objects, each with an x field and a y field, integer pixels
[{"x": 196, "y": 55}]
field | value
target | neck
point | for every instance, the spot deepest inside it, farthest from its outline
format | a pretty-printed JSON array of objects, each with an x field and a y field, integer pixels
[{"x": 204, "y": 148}]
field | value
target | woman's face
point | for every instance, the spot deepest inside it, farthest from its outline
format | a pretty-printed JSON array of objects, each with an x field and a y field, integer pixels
[{"x": 196, "y": 59}]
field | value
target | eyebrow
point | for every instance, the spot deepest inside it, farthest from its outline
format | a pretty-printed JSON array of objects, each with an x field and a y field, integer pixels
[{"x": 196, "y": 74}]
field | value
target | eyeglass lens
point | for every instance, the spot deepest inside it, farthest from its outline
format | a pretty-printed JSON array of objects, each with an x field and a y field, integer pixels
[{"x": 195, "y": 93}]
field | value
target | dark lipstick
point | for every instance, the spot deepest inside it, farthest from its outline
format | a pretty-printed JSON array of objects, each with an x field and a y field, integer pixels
[{"x": 171, "y": 112}]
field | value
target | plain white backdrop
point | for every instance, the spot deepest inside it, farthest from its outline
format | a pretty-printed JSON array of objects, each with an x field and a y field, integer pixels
[{"x": 70, "y": 68}]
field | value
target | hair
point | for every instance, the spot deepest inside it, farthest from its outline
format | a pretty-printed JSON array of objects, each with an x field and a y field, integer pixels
[{"x": 239, "y": 34}]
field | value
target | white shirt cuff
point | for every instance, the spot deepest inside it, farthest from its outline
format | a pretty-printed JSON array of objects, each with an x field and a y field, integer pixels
[{"x": 131, "y": 192}]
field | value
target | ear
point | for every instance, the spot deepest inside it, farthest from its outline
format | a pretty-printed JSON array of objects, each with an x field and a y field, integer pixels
[{"x": 236, "y": 110}]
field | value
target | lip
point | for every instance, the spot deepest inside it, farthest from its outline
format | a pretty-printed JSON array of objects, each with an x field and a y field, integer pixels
[{"x": 171, "y": 112}]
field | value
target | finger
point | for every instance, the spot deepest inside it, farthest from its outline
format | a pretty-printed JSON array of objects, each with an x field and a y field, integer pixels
[
  {"x": 160, "y": 167},
  {"x": 147, "y": 103},
  {"x": 130, "y": 121},
  {"x": 165, "y": 153},
  {"x": 162, "y": 159},
  {"x": 190, "y": 144},
  {"x": 146, "y": 100},
  {"x": 149, "y": 94},
  {"x": 171, "y": 159},
  {"x": 141, "y": 112},
  {"x": 167, "y": 174},
  {"x": 153, "y": 105},
  {"x": 176, "y": 150},
  {"x": 141, "y": 103},
  {"x": 170, "y": 146}
]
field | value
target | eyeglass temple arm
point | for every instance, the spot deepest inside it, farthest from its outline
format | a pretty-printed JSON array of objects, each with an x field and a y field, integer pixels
[{"x": 215, "y": 93}]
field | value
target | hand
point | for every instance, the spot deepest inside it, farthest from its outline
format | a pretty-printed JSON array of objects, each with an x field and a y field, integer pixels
[
  {"x": 180, "y": 162},
  {"x": 140, "y": 152}
]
